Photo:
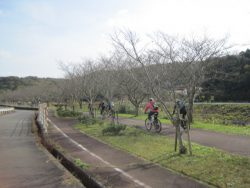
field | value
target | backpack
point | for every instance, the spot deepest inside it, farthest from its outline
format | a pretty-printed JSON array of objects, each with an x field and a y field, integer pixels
[
  {"x": 155, "y": 106},
  {"x": 181, "y": 104}
]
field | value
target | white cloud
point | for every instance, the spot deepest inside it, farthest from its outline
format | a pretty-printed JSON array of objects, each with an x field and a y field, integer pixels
[
  {"x": 41, "y": 12},
  {"x": 121, "y": 18},
  {"x": 4, "y": 54},
  {"x": 216, "y": 18},
  {"x": 43, "y": 32}
]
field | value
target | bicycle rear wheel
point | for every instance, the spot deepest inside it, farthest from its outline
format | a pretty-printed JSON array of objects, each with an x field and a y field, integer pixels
[
  {"x": 185, "y": 125},
  {"x": 157, "y": 125},
  {"x": 105, "y": 114},
  {"x": 148, "y": 125}
]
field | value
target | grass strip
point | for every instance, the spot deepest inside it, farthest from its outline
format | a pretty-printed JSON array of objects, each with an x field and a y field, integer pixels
[{"x": 207, "y": 164}]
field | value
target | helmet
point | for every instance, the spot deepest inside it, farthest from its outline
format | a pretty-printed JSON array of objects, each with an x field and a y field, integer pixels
[{"x": 151, "y": 99}]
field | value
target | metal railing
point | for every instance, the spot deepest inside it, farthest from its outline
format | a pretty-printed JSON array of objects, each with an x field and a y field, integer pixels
[
  {"x": 43, "y": 116},
  {"x": 6, "y": 110}
]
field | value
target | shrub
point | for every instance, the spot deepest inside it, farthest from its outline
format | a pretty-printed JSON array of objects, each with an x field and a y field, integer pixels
[
  {"x": 236, "y": 114},
  {"x": 87, "y": 120},
  {"x": 67, "y": 113},
  {"x": 126, "y": 109},
  {"x": 122, "y": 109},
  {"x": 113, "y": 129}
]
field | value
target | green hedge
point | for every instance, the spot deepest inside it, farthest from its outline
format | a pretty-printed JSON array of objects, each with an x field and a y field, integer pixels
[
  {"x": 113, "y": 129},
  {"x": 238, "y": 114},
  {"x": 67, "y": 113}
]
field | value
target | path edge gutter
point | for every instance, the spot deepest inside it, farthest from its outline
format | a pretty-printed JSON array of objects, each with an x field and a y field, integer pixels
[{"x": 84, "y": 176}]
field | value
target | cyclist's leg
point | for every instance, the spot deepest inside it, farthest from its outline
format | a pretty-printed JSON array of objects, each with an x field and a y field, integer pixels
[
  {"x": 155, "y": 115},
  {"x": 156, "y": 118},
  {"x": 150, "y": 114},
  {"x": 113, "y": 113},
  {"x": 184, "y": 121}
]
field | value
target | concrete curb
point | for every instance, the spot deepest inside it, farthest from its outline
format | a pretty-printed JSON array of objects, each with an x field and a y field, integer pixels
[
  {"x": 85, "y": 177},
  {"x": 20, "y": 107}
]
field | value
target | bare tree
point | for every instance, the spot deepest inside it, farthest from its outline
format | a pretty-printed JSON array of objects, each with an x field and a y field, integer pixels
[
  {"x": 170, "y": 63},
  {"x": 131, "y": 88},
  {"x": 190, "y": 56},
  {"x": 88, "y": 76},
  {"x": 45, "y": 90},
  {"x": 108, "y": 73},
  {"x": 69, "y": 87},
  {"x": 159, "y": 79}
]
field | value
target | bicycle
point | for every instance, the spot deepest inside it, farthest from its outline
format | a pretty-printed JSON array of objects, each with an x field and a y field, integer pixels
[
  {"x": 106, "y": 113},
  {"x": 109, "y": 113},
  {"x": 184, "y": 124},
  {"x": 156, "y": 123}
]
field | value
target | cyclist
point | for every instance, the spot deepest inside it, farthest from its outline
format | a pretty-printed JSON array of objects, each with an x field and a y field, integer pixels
[
  {"x": 102, "y": 107},
  {"x": 180, "y": 105},
  {"x": 151, "y": 108},
  {"x": 110, "y": 106}
]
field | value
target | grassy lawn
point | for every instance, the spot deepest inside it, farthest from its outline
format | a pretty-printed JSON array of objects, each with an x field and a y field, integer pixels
[
  {"x": 228, "y": 129},
  {"x": 207, "y": 164}
]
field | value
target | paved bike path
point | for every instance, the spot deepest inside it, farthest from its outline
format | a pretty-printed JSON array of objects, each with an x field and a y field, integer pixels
[
  {"x": 113, "y": 167},
  {"x": 236, "y": 144},
  {"x": 22, "y": 163}
]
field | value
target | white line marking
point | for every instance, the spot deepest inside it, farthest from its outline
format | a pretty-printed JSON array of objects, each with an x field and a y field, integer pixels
[{"x": 101, "y": 159}]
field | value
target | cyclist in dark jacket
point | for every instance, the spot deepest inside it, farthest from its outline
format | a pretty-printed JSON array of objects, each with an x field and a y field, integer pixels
[
  {"x": 102, "y": 107},
  {"x": 180, "y": 105}
]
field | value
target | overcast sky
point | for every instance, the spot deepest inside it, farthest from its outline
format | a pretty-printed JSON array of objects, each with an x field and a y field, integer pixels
[{"x": 36, "y": 34}]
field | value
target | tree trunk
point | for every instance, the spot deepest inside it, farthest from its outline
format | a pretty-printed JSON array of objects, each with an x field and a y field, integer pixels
[
  {"x": 191, "y": 94},
  {"x": 182, "y": 148},
  {"x": 91, "y": 112},
  {"x": 80, "y": 104},
  {"x": 136, "y": 110}
]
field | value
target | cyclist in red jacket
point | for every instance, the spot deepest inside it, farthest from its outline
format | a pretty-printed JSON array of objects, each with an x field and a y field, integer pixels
[{"x": 151, "y": 109}]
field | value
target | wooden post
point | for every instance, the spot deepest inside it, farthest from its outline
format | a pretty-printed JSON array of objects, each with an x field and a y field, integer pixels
[
  {"x": 189, "y": 140},
  {"x": 175, "y": 143},
  {"x": 182, "y": 148},
  {"x": 117, "y": 120}
]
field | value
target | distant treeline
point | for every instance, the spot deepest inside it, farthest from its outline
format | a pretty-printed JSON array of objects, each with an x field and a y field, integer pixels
[
  {"x": 13, "y": 82},
  {"x": 227, "y": 79}
]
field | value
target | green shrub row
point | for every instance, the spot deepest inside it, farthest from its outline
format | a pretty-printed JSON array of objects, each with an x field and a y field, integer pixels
[
  {"x": 126, "y": 109},
  {"x": 237, "y": 114},
  {"x": 113, "y": 129},
  {"x": 107, "y": 129},
  {"x": 87, "y": 120},
  {"x": 67, "y": 113}
]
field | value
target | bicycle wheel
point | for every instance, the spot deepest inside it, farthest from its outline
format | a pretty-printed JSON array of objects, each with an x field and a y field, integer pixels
[
  {"x": 157, "y": 125},
  {"x": 112, "y": 115},
  {"x": 185, "y": 125},
  {"x": 148, "y": 125},
  {"x": 104, "y": 114}
]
